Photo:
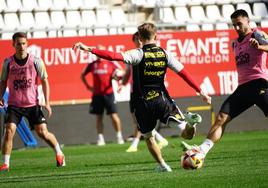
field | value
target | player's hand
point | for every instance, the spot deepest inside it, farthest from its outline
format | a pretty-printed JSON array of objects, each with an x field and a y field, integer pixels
[
  {"x": 2, "y": 103},
  {"x": 254, "y": 43},
  {"x": 49, "y": 110},
  {"x": 81, "y": 46},
  {"x": 120, "y": 87},
  {"x": 205, "y": 97},
  {"x": 91, "y": 89}
]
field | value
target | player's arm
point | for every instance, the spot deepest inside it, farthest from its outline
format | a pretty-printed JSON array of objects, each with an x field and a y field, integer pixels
[
  {"x": 259, "y": 40},
  {"x": 41, "y": 71},
  {"x": 126, "y": 75},
  {"x": 177, "y": 67},
  {"x": 46, "y": 90},
  {"x": 3, "y": 80},
  {"x": 105, "y": 54},
  {"x": 129, "y": 57},
  {"x": 3, "y": 86},
  {"x": 84, "y": 80}
]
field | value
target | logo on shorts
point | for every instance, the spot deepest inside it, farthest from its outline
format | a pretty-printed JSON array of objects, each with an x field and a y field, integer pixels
[
  {"x": 151, "y": 94},
  {"x": 262, "y": 91}
]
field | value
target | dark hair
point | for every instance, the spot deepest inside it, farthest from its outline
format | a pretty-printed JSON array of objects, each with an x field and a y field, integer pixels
[
  {"x": 19, "y": 35},
  {"x": 239, "y": 12},
  {"x": 135, "y": 35},
  {"x": 147, "y": 31}
]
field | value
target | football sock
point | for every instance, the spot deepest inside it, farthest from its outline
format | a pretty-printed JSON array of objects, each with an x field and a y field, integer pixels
[
  {"x": 58, "y": 149},
  {"x": 119, "y": 134},
  {"x": 135, "y": 142},
  {"x": 206, "y": 146},
  {"x": 100, "y": 137},
  {"x": 6, "y": 159},
  {"x": 163, "y": 163}
]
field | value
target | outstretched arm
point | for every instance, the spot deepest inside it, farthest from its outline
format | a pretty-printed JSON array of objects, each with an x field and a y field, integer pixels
[
  {"x": 188, "y": 78},
  {"x": 126, "y": 75},
  {"x": 105, "y": 54}
]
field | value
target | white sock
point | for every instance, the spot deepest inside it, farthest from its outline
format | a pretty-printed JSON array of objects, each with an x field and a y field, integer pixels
[
  {"x": 119, "y": 134},
  {"x": 206, "y": 146},
  {"x": 158, "y": 136},
  {"x": 163, "y": 163},
  {"x": 6, "y": 159},
  {"x": 135, "y": 142},
  {"x": 100, "y": 137},
  {"x": 58, "y": 149}
]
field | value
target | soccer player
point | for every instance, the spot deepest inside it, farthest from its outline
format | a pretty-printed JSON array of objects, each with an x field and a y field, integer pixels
[
  {"x": 151, "y": 99},
  {"x": 250, "y": 57},
  {"x": 20, "y": 73},
  {"x": 162, "y": 142},
  {"x": 103, "y": 96}
]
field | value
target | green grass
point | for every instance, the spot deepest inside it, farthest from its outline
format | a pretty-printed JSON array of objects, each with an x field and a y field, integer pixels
[{"x": 239, "y": 160}]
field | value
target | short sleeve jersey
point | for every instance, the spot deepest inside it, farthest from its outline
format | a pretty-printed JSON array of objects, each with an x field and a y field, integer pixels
[{"x": 102, "y": 71}]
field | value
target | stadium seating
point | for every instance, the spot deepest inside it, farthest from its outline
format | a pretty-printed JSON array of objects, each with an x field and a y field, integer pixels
[
  {"x": 3, "y": 5},
  {"x": 44, "y": 5},
  {"x": 260, "y": 10},
  {"x": 56, "y": 18},
  {"x": 29, "y": 5}
]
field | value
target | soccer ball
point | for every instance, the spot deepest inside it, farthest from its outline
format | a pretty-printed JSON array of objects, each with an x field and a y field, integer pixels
[
  {"x": 118, "y": 74},
  {"x": 192, "y": 159}
]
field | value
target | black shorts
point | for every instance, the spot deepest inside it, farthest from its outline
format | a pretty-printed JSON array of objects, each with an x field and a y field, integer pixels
[
  {"x": 131, "y": 103},
  {"x": 101, "y": 102},
  {"x": 33, "y": 114},
  {"x": 149, "y": 110},
  {"x": 246, "y": 95}
]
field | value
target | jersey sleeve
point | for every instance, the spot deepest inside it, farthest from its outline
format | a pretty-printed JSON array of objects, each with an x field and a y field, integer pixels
[
  {"x": 133, "y": 56},
  {"x": 40, "y": 68},
  {"x": 5, "y": 70},
  {"x": 261, "y": 37},
  {"x": 173, "y": 63}
]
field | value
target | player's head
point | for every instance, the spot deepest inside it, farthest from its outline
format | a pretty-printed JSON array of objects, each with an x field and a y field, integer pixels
[
  {"x": 240, "y": 21},
  {"x": 20, "y": 43},
  {"x": 136, "y": 40},
  {"x": 147, "y": 32}
]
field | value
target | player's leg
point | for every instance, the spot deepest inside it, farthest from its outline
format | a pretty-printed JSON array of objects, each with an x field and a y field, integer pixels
[
  {"x": 161, "y": 141},
  {"x": 147, "y": 112},
  {"x": 137, "y": 135},
  {"x": 13, "y": 117},
  {"x": 100, "y": 129},
  {"x": 186, "y": 123},
  {"x": 177, "y": 119},
  {"x": 50, "y": 139},
  {"x": 110, "y": 105},
  {"x": 7, "y": 145},
  {"x": 117, "y": 127},
  {"x": 234, "y": 105},
  {"x": 156, "y": 152},
  {"x": 97, "y": 108},
  {"x": 37, "y": 121},
  {"x": 261, "y": 100}
]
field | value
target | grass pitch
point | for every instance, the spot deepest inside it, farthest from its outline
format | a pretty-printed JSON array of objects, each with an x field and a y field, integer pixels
[{"x": 238, "y": 160}]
